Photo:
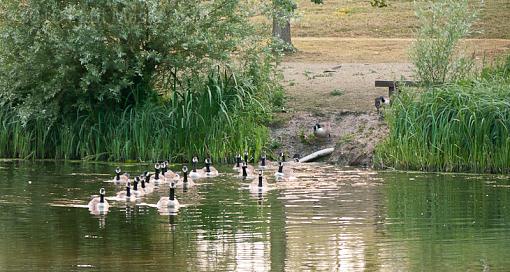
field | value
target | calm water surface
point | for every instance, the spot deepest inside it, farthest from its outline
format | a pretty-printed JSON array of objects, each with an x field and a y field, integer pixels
[{"x": 331, "y": 219}]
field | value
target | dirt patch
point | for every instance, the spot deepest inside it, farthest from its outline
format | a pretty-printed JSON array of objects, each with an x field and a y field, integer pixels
[
  {"x": 354, "y": 135},
  {"x": 378, "y": 50}
]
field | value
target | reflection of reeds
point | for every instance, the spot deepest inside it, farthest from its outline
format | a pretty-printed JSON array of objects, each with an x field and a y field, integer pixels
[
  {"x": 459, "y": 127},
  {"x": 215, "y": 118}
]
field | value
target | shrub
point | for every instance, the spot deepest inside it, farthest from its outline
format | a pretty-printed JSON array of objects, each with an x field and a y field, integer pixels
[{"x": 442, "y": 25}]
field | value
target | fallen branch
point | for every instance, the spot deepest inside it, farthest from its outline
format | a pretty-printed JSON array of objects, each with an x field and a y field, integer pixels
[{"x": 318, "y": 154}]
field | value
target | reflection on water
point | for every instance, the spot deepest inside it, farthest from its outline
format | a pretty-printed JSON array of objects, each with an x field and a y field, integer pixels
[{"x": 331, "y": 219}]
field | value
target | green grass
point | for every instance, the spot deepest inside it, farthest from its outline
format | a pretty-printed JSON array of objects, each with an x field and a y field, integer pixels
[
  {"x": 217, "y": 117},
  {"x": 462, "y": 127}
]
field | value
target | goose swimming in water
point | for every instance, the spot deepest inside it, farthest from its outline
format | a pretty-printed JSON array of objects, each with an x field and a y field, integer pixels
[
  {"x": 126, "y": 195},
  {"x": 99, "y": 205},
  {"x": 185, "y": 182},
  {"x": 168, "y": 174},
  {"x": 284, "y": 174},
  {"x": 195, "y": 174},
  {"x": 146, "y": 188},
  {"x": 157, "y": 179},
  {"x": 169, "y": 202},
  {"x": 246, "y": 171},
  {"x": 136, "y": 192},
  {"x": 259, "y": 185},
  {"x": 208, "y": 170},
  {"x": 120, "y": 178},
  {"x": 237, "y": 165},
  {"x": 245, "y": 156},
  {"x": 322, "y": 131}
]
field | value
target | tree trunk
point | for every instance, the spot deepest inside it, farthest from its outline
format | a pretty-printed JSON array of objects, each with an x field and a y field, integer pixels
[{"x": 281, "y": 29}]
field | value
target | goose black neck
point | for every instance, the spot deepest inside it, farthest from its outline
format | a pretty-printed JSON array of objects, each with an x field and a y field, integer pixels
[
  {"x": 283, "y": 157},
  {"x": 185, "y": 177},
  {"x": 128, "y": 191},
  {"x": 163, "y": 170},
  {"x": 156, "y": 175},
  {"x": 207, "y": 167},
  {"x": 143, "y": 184},
  {"x": 280, "y": 169},
  {"x": 263, "y": 161},
  {"x": 147, "y": 178},
  {"x": 135, "y": 185},
  {"x": 117, "y": 176},
  {"x": 245, "y": 174},
  {"x": 194, "y": 166},
  {"x": 172, "y": 193},
  {"x": 246, "y": 158},
  {"x": 260, "y": 180},
  {"x": 101, "y": 198},
  {"x": 238, "y": 161}
]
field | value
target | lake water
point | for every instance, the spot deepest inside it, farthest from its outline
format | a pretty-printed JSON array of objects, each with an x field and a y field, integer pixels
[{"x": 330, "y": 219}]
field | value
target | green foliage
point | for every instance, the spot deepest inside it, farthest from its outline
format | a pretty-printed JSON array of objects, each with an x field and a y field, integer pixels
[
  {"x": 59, "y": 57},
  {"x": 459, "y": 127},
  {"x": 210, "y": 118},
  {"x": 378, "y": 3},
  {"x": 435, "y": 54},
  {"x": 120, "y": 80},
  {"x": 336, "y": 92}
]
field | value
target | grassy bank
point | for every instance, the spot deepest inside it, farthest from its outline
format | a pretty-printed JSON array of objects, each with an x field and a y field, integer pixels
[
  {"x": 222, "y": 116},
  {"x": 461, "y": 127},
  {"x": 357, "y": 18}
]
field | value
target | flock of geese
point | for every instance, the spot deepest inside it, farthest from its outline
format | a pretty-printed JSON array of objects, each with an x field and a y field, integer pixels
[{"x": 147, "y": 183}]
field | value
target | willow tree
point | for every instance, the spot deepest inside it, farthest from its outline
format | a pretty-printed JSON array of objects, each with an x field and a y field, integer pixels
[{"x": 59, "y": 57}]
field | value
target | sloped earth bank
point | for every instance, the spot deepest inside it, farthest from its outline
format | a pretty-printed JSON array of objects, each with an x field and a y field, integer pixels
[
  {"x": 331, "y": 79},
  {"x": 354, "y": 135},
  {"x": 341, "y": 94}
]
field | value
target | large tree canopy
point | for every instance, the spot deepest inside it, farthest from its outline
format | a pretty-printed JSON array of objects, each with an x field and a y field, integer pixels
[{"x": 62, "y": 56}]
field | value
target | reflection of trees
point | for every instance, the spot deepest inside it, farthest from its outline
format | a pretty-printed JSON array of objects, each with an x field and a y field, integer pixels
[{"x": 447, "y": 222}]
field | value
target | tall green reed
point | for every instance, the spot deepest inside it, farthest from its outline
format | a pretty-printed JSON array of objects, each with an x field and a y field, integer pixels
[
  {"x": 213, "y": 117},
  {"x": 458, "y": 127}
]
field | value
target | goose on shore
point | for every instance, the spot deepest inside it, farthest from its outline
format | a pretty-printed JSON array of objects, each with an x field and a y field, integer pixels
[{"x": 321, "y": 131}]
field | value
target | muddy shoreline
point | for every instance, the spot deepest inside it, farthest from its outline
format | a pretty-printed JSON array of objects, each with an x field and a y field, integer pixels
[{"x": 354, "y": 135}]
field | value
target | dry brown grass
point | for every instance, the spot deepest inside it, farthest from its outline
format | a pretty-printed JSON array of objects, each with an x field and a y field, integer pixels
[{"x": 356, "y": 18}]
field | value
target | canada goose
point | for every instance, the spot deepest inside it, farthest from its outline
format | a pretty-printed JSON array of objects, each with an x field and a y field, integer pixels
[
  {"x": 136, "y": 192},
  {"x": 126, "y": 195},
  {"x": 380, "y": 101},
  {"x": 322, "y": 131},
  {"x": 146, "y": 188},
  {"x": 237, "y": 165},
  {"x": 246, "y": 171},
  {"x": 284, "y": 174},
  {"x": 263, "y": 159},
  {"x": 99, "y": 205},
  {"x": 259, "y": 185},
  {"x": 169, "y": 202},
  {"x": 120, "y": 178},
  {"x": 282, "y": 156},
  {"x": 157, "y": 179},
  {"x": 168, "y": 174},
  {"x": 185, "y": 182},
  {"x": 195, "y": 174},
  {"x": 246, "y": 156},
  {"x": 208, "y": 170}
]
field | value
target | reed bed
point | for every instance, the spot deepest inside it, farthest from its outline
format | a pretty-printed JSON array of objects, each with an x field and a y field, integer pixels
[
  {"x": 461, "y": 127},
  {"x": 213, "y": 118}
]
